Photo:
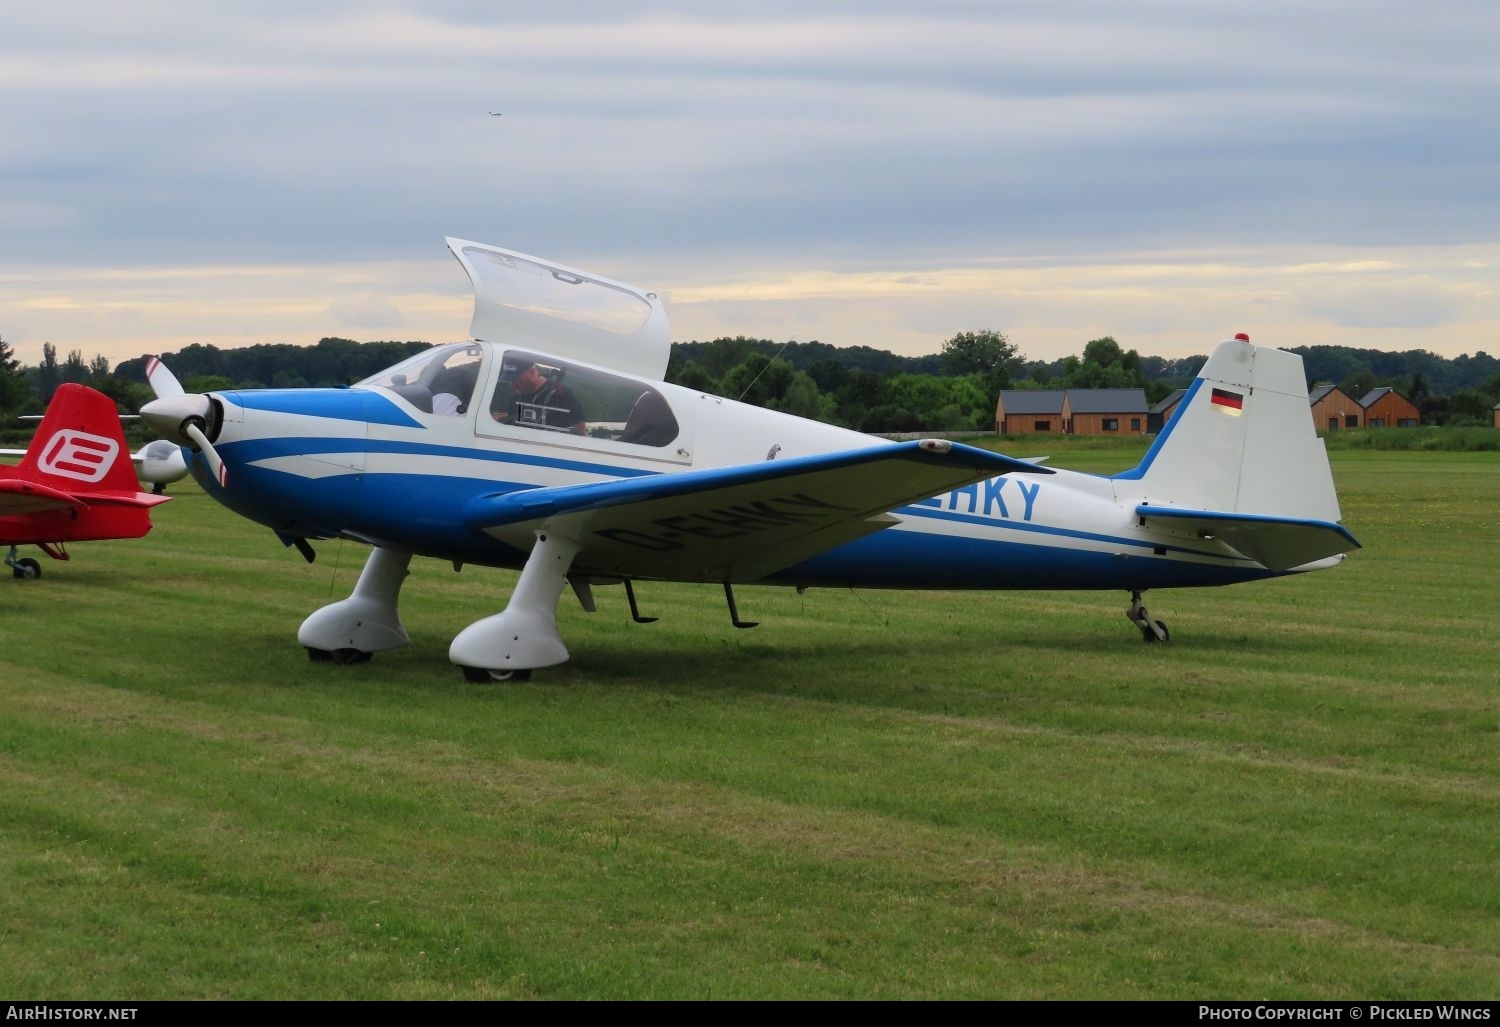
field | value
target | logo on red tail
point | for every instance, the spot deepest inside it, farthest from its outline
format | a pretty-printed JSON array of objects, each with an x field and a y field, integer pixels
[{"x": 79, "y": 455}]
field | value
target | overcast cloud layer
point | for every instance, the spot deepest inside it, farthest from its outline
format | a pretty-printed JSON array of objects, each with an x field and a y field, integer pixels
[{"x": 875, "y": 173}]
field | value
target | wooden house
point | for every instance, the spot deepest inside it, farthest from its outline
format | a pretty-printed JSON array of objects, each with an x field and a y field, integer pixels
[
  {"x": 1387, "y": 408},
  {"x": 1333, "y": 408},
  {"x": 1105, "y": 411},
  {"x": 1161, "y": 413},
  {"x": 1029, "y": 412}
]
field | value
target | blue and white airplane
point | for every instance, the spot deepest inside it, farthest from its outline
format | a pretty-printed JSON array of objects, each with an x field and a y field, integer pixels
[{"x": 551, "y": 444}]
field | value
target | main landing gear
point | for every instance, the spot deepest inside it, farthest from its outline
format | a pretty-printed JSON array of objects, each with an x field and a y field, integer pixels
[
  {"x": 523, "y": 636},
  {"x": 352, "y": 630},
  {"x": 505, "y": 647},
  {"x": 1151, "y": 630},
  {"x": 22, "y": 568}
]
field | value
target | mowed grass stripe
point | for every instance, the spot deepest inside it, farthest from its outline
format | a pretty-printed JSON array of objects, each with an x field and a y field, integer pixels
[
  {"x": 362, "y": 783},
  {"x": 583, "y": 820}
]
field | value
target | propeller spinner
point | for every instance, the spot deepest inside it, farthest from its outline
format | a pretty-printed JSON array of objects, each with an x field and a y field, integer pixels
[{"x": 181, "y": 417}]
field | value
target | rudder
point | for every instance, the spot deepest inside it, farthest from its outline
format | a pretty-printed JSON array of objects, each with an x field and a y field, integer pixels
[
  {"x": 1241, "y": 441},
  {"x": 79, "y": 447}
]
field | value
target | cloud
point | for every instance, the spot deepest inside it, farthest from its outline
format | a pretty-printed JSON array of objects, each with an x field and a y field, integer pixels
[
  {"x": 24, "y": 216},
  {"x": 365, "y": 310},
  {"x": 903, "y": 154},
  {"x": 1419, "y": 302}
]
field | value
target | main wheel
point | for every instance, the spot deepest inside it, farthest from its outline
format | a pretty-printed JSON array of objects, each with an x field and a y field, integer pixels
[
  {"x": 1148, "y": 636},
  {"x": 343, "y": 657},
  {"x": 482, "y": 676},
  {"x": 27, "y": 568}
]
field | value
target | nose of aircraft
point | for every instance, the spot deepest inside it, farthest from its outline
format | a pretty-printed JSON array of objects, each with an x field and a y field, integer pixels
[
  {"x": 181, "y": 417},
  {"x": 170, "y": 416}
]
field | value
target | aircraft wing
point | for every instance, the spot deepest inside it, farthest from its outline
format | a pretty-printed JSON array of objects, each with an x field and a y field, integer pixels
[
  {"x": 1279, "y": 543},
  {"x": 737, "y": 523}
]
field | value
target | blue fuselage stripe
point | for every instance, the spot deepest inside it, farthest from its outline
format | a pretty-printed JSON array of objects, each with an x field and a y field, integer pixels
[
  {"x": 1043, "y": 529},
  {"x": 252, "y": 450},
  {"x": 414, "y": 511}
]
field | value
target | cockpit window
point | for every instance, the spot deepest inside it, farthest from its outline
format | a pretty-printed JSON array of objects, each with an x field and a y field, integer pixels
[
  {"x": 547, "y": 394},
  {"x": 440, "y": 380}
]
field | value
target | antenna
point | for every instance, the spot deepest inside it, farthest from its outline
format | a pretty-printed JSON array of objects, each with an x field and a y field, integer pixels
[{"x": 763, "y": 370}]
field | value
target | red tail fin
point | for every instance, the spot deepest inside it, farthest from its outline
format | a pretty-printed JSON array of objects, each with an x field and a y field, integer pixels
[{"x": 79, "y": 447}]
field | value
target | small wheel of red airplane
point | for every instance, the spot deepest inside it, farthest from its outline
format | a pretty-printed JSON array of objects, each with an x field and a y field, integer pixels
[{"x": 27, "y": 568}]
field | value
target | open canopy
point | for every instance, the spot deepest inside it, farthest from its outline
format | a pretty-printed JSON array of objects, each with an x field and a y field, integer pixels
[{"x": 521, "y": 300}]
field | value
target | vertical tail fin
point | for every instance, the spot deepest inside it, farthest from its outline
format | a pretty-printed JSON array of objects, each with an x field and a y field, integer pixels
[
  {"x": 1242, "y": 441},
  {"x": 79, "y": 447}
]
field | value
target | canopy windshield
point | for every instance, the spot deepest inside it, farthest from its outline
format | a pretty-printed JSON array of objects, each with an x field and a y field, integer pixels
[{"x": 438, "y": 380}]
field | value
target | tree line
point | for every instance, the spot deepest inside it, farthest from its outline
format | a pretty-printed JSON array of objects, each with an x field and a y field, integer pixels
[{"x": 857, "y": 386}]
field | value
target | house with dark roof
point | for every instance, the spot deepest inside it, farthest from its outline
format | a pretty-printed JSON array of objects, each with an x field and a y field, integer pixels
[
  {"x": 1387, "y": 408},
  {"x": 1161, "y": 413},
  {"x": 1071, "y": 411},
  {"x": 1105, "y": 411},
  {"x": 1333, "y": 408},
  {"x": 1029, "y": 411}
]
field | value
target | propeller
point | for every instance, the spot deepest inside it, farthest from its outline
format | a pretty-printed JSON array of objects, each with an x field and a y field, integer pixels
[
  {"x": 181, "y": 417},
  {"x": 163, "y": 382}
]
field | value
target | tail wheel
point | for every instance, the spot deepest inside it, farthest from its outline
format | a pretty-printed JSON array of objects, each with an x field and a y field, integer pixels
[{"x": 27, "y": 568}]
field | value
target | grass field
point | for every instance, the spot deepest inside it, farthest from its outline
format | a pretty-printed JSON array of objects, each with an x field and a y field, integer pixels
[{"x": 881, "y": 795}]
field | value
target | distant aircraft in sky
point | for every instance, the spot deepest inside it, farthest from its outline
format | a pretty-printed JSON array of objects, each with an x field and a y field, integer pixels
[
  {"x": 73, "y": 484},
  {"x": 496, "y": 114}
]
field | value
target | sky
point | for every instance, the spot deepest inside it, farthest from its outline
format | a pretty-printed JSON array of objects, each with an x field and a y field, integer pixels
[{"x": 860, "y": 173}]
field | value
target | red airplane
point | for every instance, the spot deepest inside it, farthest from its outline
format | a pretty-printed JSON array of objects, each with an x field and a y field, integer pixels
[{"x": 76, "y": 482}]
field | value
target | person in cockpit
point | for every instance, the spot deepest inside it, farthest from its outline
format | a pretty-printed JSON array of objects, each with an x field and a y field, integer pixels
[{"x": 538, "y": 401}]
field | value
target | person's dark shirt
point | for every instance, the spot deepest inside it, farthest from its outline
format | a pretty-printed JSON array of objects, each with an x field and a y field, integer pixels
[{"x": 552, "y": 406}]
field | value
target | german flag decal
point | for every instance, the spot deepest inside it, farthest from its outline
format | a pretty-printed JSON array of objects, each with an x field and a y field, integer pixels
[{"x": 1229, "y": 402}]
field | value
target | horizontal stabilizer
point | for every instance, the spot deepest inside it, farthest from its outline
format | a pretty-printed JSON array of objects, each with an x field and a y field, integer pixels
[
  {"x": 18, "y": 496},
  {"x": 738, "y": 523},
  {"x": 122, "y": 497},
  {"x": 1278, "y": 543}
]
